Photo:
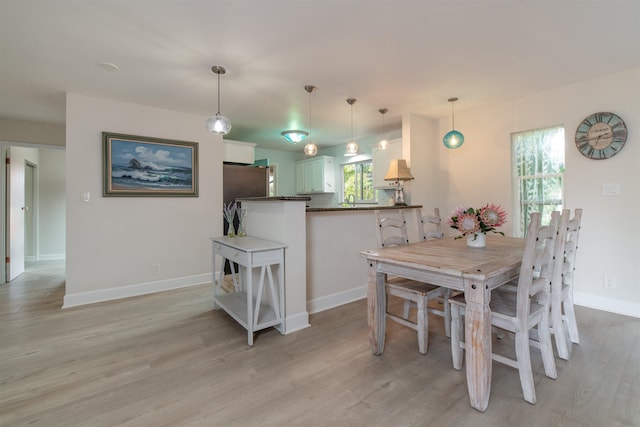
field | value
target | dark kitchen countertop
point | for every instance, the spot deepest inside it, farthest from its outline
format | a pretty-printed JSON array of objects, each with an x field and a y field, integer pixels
[
  {"x": 276, "y": 198},
  {"x": 362, "y": 208}
]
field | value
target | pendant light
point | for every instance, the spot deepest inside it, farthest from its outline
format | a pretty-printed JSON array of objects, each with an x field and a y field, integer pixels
[
  {"x": 352, "y": 146},
  {"x": 218, "y": 124},
  {"x": 294, "y": 136},
  {"x": 384, "y": 143},
  {"x": 453, "y": 139},
  {"x": 310, "y": 149}
]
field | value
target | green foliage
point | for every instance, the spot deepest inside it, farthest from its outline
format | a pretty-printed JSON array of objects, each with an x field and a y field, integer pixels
[
  {"x": 358, "y": 180},
  {"x": 538, "y": 169}
]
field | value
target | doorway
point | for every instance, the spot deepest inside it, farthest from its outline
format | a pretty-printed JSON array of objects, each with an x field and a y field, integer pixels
[
  {"x": 30, "y": 212},
  {"x": 32, "y": 207}
]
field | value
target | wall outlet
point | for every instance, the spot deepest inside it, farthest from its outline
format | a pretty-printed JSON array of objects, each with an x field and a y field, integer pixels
[
  {"x": 155, "y": 269},
  {"x": 609, "y": 282}
]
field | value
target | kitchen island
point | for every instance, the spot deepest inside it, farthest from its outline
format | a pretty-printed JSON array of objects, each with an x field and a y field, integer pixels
[
  {"x": 336, "y": 274},
  {"x": 323, "y": 269}
]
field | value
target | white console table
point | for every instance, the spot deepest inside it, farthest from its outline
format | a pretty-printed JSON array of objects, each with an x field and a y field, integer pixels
[{"x": 254, "y": 307}]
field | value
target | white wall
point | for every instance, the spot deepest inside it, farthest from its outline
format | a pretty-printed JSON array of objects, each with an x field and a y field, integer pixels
[
  {"x": 113, "y": 243},
  {"x": 30, "y": 132},
  {"x": 479, "y": 172},
  {"x": 51, "y": 205}
]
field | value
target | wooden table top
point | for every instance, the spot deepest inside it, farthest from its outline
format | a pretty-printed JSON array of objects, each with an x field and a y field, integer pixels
[{"x": 453, "y": 256}]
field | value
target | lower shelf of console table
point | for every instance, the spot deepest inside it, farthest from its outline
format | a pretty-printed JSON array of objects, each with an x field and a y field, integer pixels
[{"x": 255, "y": 304}]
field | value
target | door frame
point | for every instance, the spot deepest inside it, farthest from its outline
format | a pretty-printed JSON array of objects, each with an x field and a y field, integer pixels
[{"x": 4, "y": 241}]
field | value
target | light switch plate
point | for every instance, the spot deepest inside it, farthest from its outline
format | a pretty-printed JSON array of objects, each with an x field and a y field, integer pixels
[{"x": 611, "y": 189}]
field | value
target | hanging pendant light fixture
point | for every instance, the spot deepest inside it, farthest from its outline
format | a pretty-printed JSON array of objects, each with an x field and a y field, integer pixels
[
  {"x": 310, "y": 149},
  {"x": 218, "y": 124},
  {"x": 294, "y": 136},
  {"x": 453, "y": 139},
  {"x": 352, "y": 146},
  {"x": 384, "y": 143}
]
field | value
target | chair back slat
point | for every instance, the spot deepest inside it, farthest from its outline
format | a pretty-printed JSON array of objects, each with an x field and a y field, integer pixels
[
  {"x": 537, "y": 264},
  {"x": 571, "y": 246},
  {"x": 392, "y": 228},
  {"x": 559, "y": 251},
  {"x": 429, "y": 226}
]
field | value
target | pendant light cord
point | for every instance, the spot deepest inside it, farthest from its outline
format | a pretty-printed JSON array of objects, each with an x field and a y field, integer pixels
[
  {"x": 453, "y": 118},
  {"x": 310, "y": 139},
  {"x": 218, "y": 93},
  {"x": 351, "y": 122}
]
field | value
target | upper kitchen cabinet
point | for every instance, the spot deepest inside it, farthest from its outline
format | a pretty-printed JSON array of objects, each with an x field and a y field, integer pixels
[
  {"x": 316, "y": 175},
  {"x": 381, "y": 160},
  {"x": 239, "y": 152}
]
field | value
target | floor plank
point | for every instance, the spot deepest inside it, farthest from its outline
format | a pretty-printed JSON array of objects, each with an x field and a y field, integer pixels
[{"x": 168, "y": 360}]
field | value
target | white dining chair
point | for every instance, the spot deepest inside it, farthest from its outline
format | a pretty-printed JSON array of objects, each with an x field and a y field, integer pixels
[
  {"x": 392, "y": 231},
  {"x": 430, "y": 227},
  {"x": 519, "y": 312},
  {"x": 563, "y": 317}
]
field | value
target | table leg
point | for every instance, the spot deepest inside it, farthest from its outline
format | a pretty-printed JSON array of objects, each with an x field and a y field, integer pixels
[
  {"x": 247, "y": 281},
  {"x": 478, "y": 342},
  {"x": 376, "y": 308}
]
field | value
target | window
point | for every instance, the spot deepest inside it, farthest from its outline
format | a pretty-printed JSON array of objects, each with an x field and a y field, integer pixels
[
  {"x": 357, "y": 179},
  {"x": 538, "y": 174}
]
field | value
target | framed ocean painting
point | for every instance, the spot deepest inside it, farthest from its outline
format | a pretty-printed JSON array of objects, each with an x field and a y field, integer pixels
[{"x": 143, "y": 166}]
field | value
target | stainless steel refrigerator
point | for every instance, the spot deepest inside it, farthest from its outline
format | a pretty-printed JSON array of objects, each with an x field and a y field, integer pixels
[{"x": 240, "y": 181}]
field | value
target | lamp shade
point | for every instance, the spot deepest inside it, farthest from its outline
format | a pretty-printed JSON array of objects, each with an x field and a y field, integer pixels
[
  {"x": 453, "y": 139},
  {"x": 218, "y": 124},
  {"x": 294, "y": 135},
  {"x": 398, "y": 171},
  {"x": 352, "y": 149},
  {"x": 311, "y": 149}
]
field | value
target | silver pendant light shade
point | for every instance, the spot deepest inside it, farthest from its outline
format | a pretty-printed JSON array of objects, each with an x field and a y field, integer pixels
[
  {"x": 218, "y": 124},
  {"x": 310, "y": 149},
  {"x": 384, "y": 143},
  {"x": 352, "y": 146}
]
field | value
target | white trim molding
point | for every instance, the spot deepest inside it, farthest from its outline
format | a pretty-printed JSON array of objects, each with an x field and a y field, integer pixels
[
  {"x": 337, "y": 299},
  {"x": 92, "y": 297},
  {"x": 612, "y": 305}
]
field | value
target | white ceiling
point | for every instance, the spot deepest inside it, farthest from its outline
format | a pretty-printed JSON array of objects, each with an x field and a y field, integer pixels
[{"x": 407, "y": 56}]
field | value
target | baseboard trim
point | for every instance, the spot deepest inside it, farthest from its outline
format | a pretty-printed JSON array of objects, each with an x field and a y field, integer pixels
[
  {"x": 612, "y": 305},
  {"x": 337, "y": 299},
  {"x": 296, "y": 322},
  {"x": 110, "y": 294},
  {"x": 52, "y": 257}
]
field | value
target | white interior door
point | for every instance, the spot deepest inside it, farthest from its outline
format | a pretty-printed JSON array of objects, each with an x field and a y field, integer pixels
[{"x": 16, "y": 218}]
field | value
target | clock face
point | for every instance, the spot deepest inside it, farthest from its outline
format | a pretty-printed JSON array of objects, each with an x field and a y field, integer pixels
[{"x": 601, "y": 135}]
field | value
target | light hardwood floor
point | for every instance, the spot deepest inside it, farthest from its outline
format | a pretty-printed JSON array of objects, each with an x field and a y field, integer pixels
[{"x": 169, "y": 360}]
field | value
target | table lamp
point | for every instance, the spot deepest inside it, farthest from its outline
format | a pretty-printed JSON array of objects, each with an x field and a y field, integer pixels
[{"x": 398, "y": 172}]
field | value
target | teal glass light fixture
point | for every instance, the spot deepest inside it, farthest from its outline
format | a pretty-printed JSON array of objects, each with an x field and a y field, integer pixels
[
  {"x": 453, "y": 138},
  {"x": 218, "y": 124},
  {"x": 294, "y": 136}
]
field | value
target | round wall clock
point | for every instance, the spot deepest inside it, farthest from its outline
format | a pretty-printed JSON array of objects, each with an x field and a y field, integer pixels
[{"x": 601, "y": 135}]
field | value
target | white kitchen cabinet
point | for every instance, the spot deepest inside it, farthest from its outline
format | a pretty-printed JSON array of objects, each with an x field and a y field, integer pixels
[
  {"x": 239, "y": 152},
  {"x": 381, "y": 160},
  {"x": 316, "y": 175}
]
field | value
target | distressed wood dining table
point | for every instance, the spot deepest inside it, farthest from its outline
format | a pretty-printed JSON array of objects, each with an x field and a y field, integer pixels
[{"x": 450, "y": 263}]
